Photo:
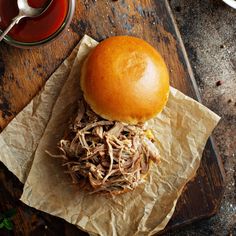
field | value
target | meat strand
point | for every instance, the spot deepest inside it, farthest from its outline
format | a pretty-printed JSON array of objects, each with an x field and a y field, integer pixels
[{"x": 111, "y": 156}]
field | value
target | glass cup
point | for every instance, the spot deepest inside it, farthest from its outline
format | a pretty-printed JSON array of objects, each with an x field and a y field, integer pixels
[{"x": 71, "y": 8}]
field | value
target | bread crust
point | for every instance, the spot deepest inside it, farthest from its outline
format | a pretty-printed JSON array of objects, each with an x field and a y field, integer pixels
[{"x": 125, "y": 79}]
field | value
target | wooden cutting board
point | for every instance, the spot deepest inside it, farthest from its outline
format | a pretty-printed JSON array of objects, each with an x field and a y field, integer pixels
[{"x": 23, "y": 73}]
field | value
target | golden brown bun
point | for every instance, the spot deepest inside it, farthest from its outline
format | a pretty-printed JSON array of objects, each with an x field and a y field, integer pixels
[{"x": 125, "y": 79}]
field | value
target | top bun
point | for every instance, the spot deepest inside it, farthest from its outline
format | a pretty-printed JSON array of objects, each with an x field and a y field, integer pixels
[{"x": 125, "y": 79}]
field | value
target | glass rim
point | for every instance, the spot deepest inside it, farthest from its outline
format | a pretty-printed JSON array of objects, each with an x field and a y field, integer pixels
[{"x": 65, "y": 24}]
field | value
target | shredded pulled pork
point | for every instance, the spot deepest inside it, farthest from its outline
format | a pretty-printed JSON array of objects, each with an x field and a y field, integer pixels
[{"x": 112, "y": 156}]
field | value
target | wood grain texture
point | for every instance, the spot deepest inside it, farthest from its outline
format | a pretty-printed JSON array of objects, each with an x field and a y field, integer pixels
[{"x": 23, "y": 73}]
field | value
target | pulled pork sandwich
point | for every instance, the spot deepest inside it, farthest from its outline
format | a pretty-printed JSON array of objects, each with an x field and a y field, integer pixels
[{"x": 125, "y": 82}]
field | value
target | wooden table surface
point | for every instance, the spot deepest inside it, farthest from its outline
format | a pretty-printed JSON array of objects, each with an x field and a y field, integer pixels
[{"x": 23, "y": 73}]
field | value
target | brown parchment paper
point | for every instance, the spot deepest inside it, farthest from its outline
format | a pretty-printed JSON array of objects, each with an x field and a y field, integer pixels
[{"x": 181, "y": 131}]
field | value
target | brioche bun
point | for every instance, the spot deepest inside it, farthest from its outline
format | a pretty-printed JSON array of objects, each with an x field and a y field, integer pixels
[{"x": 125, "y": 79}]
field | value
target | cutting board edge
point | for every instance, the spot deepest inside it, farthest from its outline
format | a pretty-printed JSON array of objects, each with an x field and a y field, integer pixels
[{"x": 194, "y": 84}]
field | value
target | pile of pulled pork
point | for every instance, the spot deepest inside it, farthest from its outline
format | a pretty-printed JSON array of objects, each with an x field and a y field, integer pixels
[{"x": 111, "y": 156}]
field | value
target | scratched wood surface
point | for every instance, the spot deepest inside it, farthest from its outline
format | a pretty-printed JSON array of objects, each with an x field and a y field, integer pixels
[{"x": 23, "y": 73}]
